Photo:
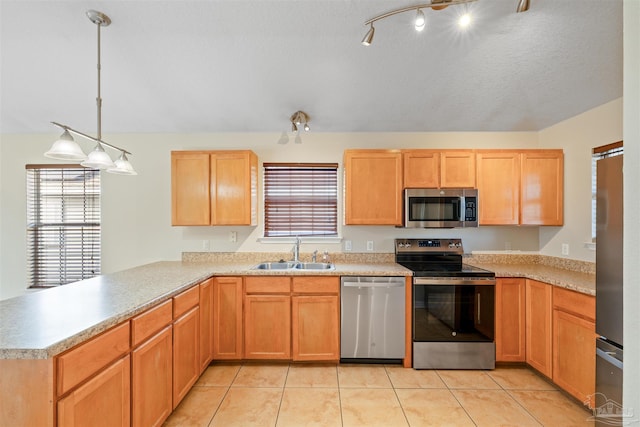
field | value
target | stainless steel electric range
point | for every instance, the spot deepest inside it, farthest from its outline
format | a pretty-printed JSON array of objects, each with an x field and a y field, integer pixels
[{"x": 453, "y": 306}]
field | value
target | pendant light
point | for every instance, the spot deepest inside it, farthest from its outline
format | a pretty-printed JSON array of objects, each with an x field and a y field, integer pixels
[{"x": 65, "y": 148}]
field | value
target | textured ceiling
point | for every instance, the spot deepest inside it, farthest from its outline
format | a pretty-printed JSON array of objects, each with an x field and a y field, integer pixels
[{"x": 247, "y": 65}]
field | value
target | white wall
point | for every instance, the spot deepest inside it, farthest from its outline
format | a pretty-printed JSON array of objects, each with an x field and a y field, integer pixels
[
  {"x": 631, "y": 398},
  {"x": 136, "y": 210},
  {"x": 577, "y": 136}
]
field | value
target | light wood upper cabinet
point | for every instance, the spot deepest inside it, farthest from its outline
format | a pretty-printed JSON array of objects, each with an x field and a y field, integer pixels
[
  {"x": 520, "y": 187},
  {"x": 458, "y": 169},
  {"x": 574, "y": 338},
  {"x": 421, "y": 168},
  {"x": 538, "y": 326},
  {"x": 499, "y": 187},
  {"x": 439, "y": 169},
  {"x": 542, "y": 187},
  {"x": 373, "y": 187},
  {"x": 214, "y": 187},
  {"x": 510, "y": 320}
]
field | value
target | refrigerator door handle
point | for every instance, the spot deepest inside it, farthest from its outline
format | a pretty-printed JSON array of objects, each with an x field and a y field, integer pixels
[{"x": 608, "y": 357}]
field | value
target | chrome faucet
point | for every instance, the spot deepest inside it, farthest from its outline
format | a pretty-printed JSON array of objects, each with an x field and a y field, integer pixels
[
  {"x": 314, "y": 256},
  {"x": 296, "y": 250}
]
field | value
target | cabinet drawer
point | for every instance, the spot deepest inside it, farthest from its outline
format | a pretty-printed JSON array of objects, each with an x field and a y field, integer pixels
[
  {"x": 186, "y": 300},
  {"x": 81, "y": 362},
  {"x": 574, "y": 302},
  {"x": 316, "y": 285},
  {"x": 267, "y": 285},
  {"x": 149, "y": 322}
]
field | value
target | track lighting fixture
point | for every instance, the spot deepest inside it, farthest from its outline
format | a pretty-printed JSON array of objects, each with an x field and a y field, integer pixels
[
  {"x": 368, "y": 38},
  {"x": 299, "y": 120},
  {"x": 65, "y": 148}
]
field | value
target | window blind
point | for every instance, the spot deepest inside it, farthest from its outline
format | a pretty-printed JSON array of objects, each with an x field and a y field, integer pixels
[
  {"x": 63, "y": 224},
  {"x": 300, "y": 199}
]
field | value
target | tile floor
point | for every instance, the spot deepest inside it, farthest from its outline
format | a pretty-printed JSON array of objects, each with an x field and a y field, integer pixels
[{"x": 372, "y": 395}]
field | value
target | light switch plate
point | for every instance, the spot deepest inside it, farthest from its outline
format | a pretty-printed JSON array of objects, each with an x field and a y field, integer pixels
[
  {"x": 370, "y": 245},
  {"x": 347, "y": 245}
]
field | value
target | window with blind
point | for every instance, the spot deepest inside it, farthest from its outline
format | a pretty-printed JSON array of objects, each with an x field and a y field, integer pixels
[
  {"x": 63, "y": 224},
  {"x": 300, "y": 199},
  {"x": 608, "y": 150}
]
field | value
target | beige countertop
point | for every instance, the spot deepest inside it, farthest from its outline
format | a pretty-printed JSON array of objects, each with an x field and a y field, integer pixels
[{"x": 40, "y": 325}]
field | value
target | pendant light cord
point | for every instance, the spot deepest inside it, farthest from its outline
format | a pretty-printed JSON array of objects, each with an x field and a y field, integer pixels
[{"x": 99, "y": 98}]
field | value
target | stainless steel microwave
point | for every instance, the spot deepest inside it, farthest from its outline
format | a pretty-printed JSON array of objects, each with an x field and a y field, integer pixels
[{"x": 440, "y": 208}]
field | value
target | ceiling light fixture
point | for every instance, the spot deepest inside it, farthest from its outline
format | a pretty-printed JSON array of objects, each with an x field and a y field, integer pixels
[
  {"x": 420, "y": 20},
  {"x": 464, "y": 20},
  {"x": 65, "y": 148},
  {"x": 299, "y": 120},
  {"x": 523, "y": 6}
]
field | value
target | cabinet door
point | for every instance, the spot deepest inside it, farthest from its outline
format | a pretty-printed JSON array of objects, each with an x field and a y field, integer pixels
[
  {"x": 186, "y": 356},
  {"x": 190, "y": 189},
  {"x": 421, "y": 169},
  {"x": 510, "y": 320},
  {"x": 267, "y": 327},
  {"x": 542, "y": 187},
  {"x": 152, "y": 365},
  {"x": 499, "y": 187},
  {"x": 574, "y": 354},
  {"x": 206, "y": 323},
  {"x": 538, "y": 326},
  {"x": 234, "y": 188},
  {"x": 373, "y": 187},
  {"x": 316, "y": 327},
  {"x": 458, "y": 169},
  {"x": 103, "y": 401},
  {"x": 227, "y": 318}
]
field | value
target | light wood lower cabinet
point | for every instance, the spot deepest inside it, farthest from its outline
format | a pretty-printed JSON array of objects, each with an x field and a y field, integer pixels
[
  {"x": 103, "y": 401},
  {"x": 574, "y": 338},
  {"x": 510, "y": 320},
  {"x": 206, "y": 323},
  {"x": 151, "y": 388},
  {"x": 227, "y": 318},
  {"x": 315, "y": 318},
  {"x": 267, "y": 318},
  {"x": 186, "y": 358},
  {"x": 538, "y": 326}
]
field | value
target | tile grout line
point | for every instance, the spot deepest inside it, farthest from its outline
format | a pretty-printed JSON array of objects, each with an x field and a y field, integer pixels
[
  {"x": 224, "y": 396},
  {"x": 456, "y": 398},
  {"x": 393, "y": 387},
  {"x": 284, "y": 386},
  {"x": 339, "y": 393}
]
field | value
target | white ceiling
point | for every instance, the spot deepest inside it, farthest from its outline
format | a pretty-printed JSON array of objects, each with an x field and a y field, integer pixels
[{"x": 247, "y": 65}]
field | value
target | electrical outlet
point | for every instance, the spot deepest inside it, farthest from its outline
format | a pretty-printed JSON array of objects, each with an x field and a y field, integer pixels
[
  {"x": 233, "y": 236},
  {"x": 369, "y": 245},
  {"x": 347, "y": 245},
  {"x": 565, "y": 249}
]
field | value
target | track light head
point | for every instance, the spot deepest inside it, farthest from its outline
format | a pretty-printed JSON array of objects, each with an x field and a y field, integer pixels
[
  {"x": 420, "y": 21},
  {"x": 368, "y": 38},
  {"x": 523, "y": 6}
]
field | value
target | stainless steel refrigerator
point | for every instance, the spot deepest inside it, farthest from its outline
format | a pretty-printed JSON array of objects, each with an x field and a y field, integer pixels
[{"x": 609, "y": 346}]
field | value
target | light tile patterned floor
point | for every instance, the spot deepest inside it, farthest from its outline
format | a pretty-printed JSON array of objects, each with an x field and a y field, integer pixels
[{"x": 283, "y": 395}]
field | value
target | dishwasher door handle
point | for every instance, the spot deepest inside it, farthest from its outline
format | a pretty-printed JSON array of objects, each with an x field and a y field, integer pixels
[{"x": 373, "y": 285}]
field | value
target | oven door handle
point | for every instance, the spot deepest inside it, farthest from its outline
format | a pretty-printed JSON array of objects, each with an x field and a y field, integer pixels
[{"x": 452, "y": 281}]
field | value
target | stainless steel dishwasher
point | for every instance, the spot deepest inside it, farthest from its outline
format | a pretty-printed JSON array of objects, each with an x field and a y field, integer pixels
[{"x": 372, "y": 323}]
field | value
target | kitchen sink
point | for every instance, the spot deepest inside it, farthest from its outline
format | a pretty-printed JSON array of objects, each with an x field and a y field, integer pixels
[
  {"x": 279, "y": 265},
  {"x": 294, "y": 265},
  {"x": 315, "y": 266}
]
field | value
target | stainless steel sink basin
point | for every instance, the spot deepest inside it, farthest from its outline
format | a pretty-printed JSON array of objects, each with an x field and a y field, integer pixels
[
  {"x": 285, "y": 265},
  {"x": 293, "y": 265},
  {"x": 315, "y": 266}
]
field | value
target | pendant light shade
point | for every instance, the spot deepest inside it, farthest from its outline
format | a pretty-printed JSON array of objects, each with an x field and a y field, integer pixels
[
  {"x": 122, "y": 166},
  {"x": 98, "y": 159},
  {"x": 420, "y": 21},
  {"x": 65, "y": 148}
]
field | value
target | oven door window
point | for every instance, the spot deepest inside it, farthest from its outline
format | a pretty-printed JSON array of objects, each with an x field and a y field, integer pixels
[
  {"x": 457, "y": 313},
  {"x": 434, "y": 209}
]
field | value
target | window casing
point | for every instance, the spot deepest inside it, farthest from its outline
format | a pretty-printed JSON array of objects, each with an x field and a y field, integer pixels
[
  {"x": 63, "y": 224},
  {"x": 300, "y": 199}
]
